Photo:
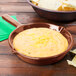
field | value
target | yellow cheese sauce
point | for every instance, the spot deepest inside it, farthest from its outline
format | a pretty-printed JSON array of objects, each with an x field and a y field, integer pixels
[{"x": 40, "y": 42}]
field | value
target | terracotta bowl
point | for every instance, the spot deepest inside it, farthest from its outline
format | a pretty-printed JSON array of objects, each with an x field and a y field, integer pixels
[
  {"x": 39, "y": 60},
  {"x": 54, "y": 15}
]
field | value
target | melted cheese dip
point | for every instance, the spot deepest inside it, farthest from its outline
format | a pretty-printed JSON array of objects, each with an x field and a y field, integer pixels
[
  {"x": 60, "y": 5},
  {"x": 40, "y": 42}
]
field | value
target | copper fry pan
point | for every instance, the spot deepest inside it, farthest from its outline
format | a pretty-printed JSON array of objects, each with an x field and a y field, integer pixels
[{"x": 38, "y": 60}]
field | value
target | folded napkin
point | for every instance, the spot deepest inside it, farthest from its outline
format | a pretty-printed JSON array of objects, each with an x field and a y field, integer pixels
[{"x": 6, "y": 28}]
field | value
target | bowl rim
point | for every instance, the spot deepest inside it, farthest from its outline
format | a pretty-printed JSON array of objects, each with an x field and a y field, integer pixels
[
  {"x": 54, "y": 11},
  {"x": 41, "y": 58}
]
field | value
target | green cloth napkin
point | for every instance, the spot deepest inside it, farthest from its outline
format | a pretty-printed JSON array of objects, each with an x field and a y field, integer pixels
[{"x": 6, "y": 28}]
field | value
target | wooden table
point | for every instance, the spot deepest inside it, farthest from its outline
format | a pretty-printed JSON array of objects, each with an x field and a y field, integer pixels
[{"x": 10, "y": 64}]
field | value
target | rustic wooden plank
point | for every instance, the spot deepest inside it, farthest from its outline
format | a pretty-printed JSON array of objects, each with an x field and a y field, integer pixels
[
  {"x": 8, "y": 13},
  {"x": 72, "y": 29},
  {"x": 35, "y": 72},
  {"x": 15, "y": 62},
  {"x": 14, "y": 4},
  {"x": 33, "y": 14},
  {"x": 12, "y": 61},
  {"x": 5, "y": 1},
  {"x": 7, "y": 50},
  {"x": 11, "y": 8},
  {"x": 59, "y": 69},
  {"x": 30, "y": 17},
  {"x": 26, "y": 18},
  {"x": 74, "y": 37}
]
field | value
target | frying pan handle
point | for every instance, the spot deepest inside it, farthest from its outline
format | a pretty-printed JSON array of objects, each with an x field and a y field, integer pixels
[{"x": 10, "y": 20}]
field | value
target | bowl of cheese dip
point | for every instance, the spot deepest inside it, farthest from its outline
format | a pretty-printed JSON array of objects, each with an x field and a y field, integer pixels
[{"x": 41, "y": 43}]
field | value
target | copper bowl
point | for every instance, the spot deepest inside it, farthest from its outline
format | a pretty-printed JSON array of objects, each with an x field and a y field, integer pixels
[
  {"x": 54, "y": 15},
  {"x": 38, "y": 60}
]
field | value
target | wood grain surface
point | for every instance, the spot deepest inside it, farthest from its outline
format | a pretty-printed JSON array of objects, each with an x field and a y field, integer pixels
[{"x": 11, "y": 65}]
